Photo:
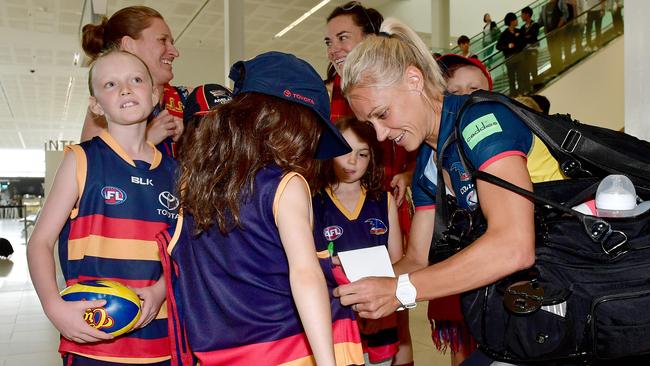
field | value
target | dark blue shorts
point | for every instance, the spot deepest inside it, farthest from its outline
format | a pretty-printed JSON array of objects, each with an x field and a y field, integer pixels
[{"x": 70, "y": 359}]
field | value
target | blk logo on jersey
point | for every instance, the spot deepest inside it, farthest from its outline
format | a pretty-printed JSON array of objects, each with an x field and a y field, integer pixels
[
  {"x": 142, "y": 181},
  {"x": 113, "y": 195},
  {"x": 377, "y": 227},
  {"x": 333, "y": 232}
]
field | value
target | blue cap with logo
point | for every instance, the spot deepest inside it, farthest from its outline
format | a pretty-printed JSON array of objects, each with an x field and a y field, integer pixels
[{"x": 287, "y": 77}]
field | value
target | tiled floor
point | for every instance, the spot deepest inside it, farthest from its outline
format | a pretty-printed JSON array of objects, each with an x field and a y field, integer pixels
[{"x": 28, "y": 339}]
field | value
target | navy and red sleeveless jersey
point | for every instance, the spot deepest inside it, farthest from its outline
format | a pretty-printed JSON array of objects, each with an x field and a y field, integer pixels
[
  {"x": 111, "y": 234},
  {"x": 235, "y": 294},
  {"x": 172, "y": 101},
  {"x": 366, "y": 226}
]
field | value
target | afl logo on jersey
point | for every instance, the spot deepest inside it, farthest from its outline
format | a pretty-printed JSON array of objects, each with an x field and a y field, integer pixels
[
  {"x": 377, "y": 227},
  {"x": 332, "y": 232},
  {"x": 113, "y": 195}
]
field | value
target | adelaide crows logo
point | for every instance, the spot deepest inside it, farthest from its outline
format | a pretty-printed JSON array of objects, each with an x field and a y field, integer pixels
[{"x": 377, "y": 227}]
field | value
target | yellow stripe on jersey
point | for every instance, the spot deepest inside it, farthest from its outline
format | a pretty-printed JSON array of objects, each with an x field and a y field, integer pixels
[
  {"x": 102, "y": 247},
  {"x": 126, "y": 360},
  {"x": 323, "y": 254},
  {"x": 348, "y": 353},
  {"x": 81, "y": 170},
  {"x": 280, "y": 190},
  {"x": 357, "y": 210},
  {"x": 177, "y": 233},
  {"x": 110, "y": 141}
]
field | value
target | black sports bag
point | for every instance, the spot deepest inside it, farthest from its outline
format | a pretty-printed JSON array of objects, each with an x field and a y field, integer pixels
[{"x": 588, "y": 295}]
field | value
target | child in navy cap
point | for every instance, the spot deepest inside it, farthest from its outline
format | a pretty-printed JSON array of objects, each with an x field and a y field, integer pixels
[
  {"x": 202, "y": 100},
  {"x": 249, "y": 279}
]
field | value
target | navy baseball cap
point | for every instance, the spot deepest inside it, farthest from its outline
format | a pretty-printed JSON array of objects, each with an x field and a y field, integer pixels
[
  {"x": 287, "y": 77},
  {"x": 203, "y": 98}
]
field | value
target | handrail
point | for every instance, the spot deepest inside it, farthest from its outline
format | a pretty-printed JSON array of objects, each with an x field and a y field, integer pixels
[
  {"x": 500, "y": 26},
  {"x": 536, "y": 6},
  {"x": 547, "y": 72}
]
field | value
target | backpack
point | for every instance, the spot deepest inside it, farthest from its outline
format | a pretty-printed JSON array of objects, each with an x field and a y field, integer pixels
[
  {"x": 5, "y": 248},
  {"x": 586, "y": 297}
]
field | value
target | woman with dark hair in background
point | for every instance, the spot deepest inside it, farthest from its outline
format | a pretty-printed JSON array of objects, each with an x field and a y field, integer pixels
[
  {"x": 347, "y": 26},
  {"x": 490, "y": 34}
]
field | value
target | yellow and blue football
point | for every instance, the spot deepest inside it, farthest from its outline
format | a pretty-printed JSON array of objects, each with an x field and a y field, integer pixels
[{"x": 118, "y": 315}]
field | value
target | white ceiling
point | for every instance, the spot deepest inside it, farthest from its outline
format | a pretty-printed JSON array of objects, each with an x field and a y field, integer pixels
[{"x": 43, "y": 96}]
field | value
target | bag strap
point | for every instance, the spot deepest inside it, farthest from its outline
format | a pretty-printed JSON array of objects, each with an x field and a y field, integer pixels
[
  {"x": 442, "y": 209},
  {"x": 566, "y": 140},
  {"x": 613, "y": 242}
]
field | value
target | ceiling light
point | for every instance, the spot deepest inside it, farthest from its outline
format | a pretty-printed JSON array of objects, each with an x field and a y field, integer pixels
[
  {"x": 302, "y": 17},
  {"x": 68, "y": 95},
  {"x": 22, "y": 141}
]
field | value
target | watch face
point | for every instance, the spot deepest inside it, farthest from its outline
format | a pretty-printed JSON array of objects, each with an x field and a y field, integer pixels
[{"x": 406, "y": 293}]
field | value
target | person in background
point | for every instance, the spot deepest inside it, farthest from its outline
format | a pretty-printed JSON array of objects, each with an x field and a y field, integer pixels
[
  {"x": 595, "y": 12},
  {"x": 349, "y": 197},
  {"x": 347, "y": 26},
  {"x": 464, "y": 75},
  {"x": 244, "y": 243},
  {"x": 529, "y": 32},
  {"x": 198, "y": 103},
  {"x": 490, "y": 35},
  {"x": 463, "y": 45},
  {"x": 616, "y": 7},
  {"x": 553, "y": 17},
  {"x": 511, "y": 43},
  {"x": 106, "y": 224},
  {"x": 142, "y": 31}
]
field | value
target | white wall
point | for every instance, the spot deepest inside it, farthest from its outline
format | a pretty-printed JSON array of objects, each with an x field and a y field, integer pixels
[
  {"x": 467, "y": 15},
  {"x": 22, "y": 163},
  {"x": 415, "y": 13},
  {"x": 196, "y": 67},
  {"x": 637, "y": 73},
  {"x": 52, "y": 161},
  {"x": 593, "y": 92}
]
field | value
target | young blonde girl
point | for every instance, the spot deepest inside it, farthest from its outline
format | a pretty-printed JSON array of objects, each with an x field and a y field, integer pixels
[
  {"x": 351, "y": 211},
  {"x": 105, "y": 210}
]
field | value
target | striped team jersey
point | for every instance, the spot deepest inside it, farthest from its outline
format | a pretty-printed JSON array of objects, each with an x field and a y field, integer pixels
[
  {"x": 366, "y": 226},
  {"x": 111, "y": 234},
  {"x": 235, "y": 294}
]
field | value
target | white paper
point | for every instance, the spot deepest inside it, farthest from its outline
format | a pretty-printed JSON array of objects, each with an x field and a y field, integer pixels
[{"x": 366, "y": 262}]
